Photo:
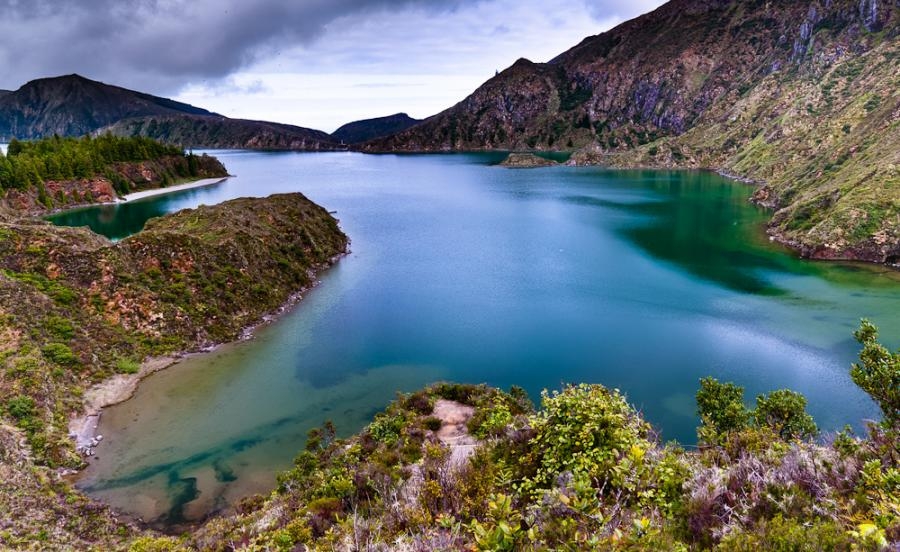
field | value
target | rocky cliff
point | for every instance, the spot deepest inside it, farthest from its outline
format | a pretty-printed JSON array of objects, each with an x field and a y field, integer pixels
[{"x": 800, "y": 95}]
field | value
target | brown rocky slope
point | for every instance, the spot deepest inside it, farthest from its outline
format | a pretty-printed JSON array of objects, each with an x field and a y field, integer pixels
[{"x": 801, "y": 95}]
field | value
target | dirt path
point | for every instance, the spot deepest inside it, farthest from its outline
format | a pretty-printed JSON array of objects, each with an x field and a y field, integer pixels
[{"x": 453, "y": 432}]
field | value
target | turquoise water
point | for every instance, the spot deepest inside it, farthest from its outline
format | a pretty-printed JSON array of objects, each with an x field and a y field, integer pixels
[{"x": 641, "y": 280}]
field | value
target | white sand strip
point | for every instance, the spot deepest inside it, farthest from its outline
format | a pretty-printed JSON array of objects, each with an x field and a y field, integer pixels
[{"x": 170, "y": 189}]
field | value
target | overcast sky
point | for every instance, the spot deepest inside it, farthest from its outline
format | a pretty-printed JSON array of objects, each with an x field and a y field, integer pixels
[{"x": 314, "y": 63}]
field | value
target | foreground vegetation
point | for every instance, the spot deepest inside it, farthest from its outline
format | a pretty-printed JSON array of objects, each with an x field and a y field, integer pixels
[
  {"x": 583, "y": 472},
  {"x": 55, "y": 172}
]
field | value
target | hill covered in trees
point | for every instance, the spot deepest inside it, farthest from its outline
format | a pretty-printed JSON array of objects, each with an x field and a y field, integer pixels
[{"x": 55, "y": 172}]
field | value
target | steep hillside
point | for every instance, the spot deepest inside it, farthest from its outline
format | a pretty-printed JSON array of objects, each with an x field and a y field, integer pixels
[
  {"x": 801, "y": 95},
  {"x": 224, "y": 133},
  {"x": 73, "y": 106},
  {"x": 358, "y": 132}
]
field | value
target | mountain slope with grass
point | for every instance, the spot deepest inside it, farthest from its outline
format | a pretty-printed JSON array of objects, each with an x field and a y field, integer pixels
[
  {"x": 224, "y": 133},
  {"x": 800, "y": 97},
  {"x": 72, "y": 105}
]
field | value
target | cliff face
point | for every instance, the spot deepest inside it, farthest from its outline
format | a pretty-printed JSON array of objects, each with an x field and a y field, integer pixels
[
  {"x": 802, "y": 95},
  {"x": 653, "y": 76}
]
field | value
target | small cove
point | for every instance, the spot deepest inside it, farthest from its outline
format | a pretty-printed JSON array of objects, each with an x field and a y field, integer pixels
[{"x": 641, "y": 280}]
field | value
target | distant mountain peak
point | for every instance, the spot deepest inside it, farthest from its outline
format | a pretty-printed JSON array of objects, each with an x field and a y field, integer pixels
[
  {"x": 358, "y": 132},
  {"x": 74, "y": 105},
  {"x": 798, "y": 94}
]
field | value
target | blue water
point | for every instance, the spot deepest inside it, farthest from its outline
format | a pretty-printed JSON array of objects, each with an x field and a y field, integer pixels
[{"x": 644, "y": 281}]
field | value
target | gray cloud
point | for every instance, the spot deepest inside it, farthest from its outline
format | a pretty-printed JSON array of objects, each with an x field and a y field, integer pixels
[
  {"x": 159, "y": 45},
  {"x": 620, "y": 9},
  {"x": 224, "y": 53}
]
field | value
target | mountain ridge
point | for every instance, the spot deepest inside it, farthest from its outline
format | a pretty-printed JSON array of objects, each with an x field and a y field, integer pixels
[
  {"x": 357, "y": 132},
  {"x": 73, "y": 105},
  {"x": 713, "y": 84},
  {"x": 223, "y": 133}
]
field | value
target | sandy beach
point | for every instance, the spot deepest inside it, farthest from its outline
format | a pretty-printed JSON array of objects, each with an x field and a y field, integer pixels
[
  {"x": 112, "y": 391},
  {"x": 169, "y": 189}
]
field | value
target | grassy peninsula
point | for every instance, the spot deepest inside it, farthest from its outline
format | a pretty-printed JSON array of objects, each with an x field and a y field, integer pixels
[{"x": 77, "y": 309}]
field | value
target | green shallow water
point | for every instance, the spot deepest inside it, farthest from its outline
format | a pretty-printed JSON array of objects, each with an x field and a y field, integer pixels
[{"x": 641, "y": 280}]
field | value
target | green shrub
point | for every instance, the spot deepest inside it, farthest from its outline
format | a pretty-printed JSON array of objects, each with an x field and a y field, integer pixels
[
  {"x": 789, "y": 534},
  {"x": 59, "y": 327},
  {"x": 20, "y": 407},
  {"x": 878, "y": 372},
  {"x": 386, "y": 429},
  {"x": 432, "y": 423},
  {"x": 784, "y": 412},
  {"x": 721, "y": 409},
  {"x": 584, "y": 429},
  {"x": 127, "y": 366},
  {"x": 491, "y": 419},
  {"x": 59, "y": 353}
]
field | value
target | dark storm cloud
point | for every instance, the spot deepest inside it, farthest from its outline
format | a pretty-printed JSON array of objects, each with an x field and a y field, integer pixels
[
  {"x": 162, "y": 46},
  {"x": 158, "y": 45}
]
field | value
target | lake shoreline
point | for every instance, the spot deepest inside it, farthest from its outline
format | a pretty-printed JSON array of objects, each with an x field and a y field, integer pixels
[
  {"x": 203, "y": 182},
  {"x": 862, "y": 253},
  {"x": 122, "y": 387}
]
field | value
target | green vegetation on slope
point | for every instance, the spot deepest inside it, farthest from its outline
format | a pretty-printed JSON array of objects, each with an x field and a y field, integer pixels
[
  {"x": 76, "y": 309},
  {"x": 583, "y": 472},
  {"x": 802, "y": 96},
  {"x": 824, "y": 143},
  {"x": 58, "y": 171}
]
